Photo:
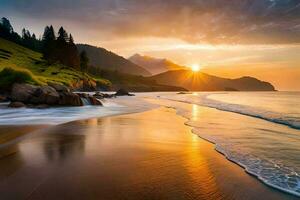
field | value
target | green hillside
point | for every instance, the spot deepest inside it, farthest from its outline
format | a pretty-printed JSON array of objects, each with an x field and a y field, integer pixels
[{"x": 21, "y": 58}]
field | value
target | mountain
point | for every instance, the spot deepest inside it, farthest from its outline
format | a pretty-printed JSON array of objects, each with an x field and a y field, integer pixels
[
  {"x": 103, "y": 59},
  {"x": 198, "y": 81},
  {"x": 154, "y": 65}
]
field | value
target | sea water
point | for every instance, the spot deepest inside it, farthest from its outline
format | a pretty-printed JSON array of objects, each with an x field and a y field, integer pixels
[{"x": 260, "y": 131}]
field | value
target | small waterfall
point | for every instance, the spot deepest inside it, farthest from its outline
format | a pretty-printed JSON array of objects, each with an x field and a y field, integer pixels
[{"x": 85, "y": 101}]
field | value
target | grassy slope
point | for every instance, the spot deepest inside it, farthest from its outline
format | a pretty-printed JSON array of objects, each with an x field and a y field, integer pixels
[{"x": 23, "y": 58}]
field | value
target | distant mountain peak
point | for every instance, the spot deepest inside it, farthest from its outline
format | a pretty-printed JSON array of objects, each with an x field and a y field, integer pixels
[{"x": 154, "y": 65}]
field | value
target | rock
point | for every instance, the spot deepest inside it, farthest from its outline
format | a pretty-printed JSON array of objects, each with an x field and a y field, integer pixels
[
  {"x": 45, "y": 95},
  {"x": 3, "y": 98},
  {"x": 70, "y": 99},
  {"x": 22, "y": 92},
  {"x": 34, "y": 95},
  {"x": 83, "y": 95},
  {"x": 95, "y": 101},
  {"x": 123, "y": 92},
  {"x": 59, "y": 87},
  {"x": 42, "y": 106},
  {"x": 16, "y": 104},
  {"x": 98, "y": 95}
]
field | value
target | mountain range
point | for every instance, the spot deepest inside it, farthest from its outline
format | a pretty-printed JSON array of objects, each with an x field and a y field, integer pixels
[
  {"x": 198, "y": 81},
  {"x": 104, "y": 59},
  {"x": 166, "y": 72}
]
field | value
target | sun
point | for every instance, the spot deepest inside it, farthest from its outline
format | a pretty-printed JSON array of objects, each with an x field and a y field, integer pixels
[{"x": 195, "y": 68}]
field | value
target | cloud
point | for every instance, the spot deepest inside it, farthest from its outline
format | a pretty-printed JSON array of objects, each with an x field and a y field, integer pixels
[{"x": 195, "y": 21}]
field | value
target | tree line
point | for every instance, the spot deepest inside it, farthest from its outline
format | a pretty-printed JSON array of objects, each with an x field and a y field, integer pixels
[{"x": 58, "y": 47}]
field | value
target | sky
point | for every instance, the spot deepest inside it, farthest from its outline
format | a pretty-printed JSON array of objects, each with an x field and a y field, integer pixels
[{"x": 228, "y": 38}]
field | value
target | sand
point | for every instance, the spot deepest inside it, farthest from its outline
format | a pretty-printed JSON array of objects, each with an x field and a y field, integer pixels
[{"x": 149, "y": 155}]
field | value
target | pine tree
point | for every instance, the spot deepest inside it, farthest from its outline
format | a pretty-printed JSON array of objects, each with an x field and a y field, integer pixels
[
  {"x": 6, "y": 25},
  {"x": 71, "y": 40},
  {"x": 49, "y": 44},
  {"x": 74, "y": 59},
  {"x": 62, "y": 35},
  {"x": 84, "y": 60}
]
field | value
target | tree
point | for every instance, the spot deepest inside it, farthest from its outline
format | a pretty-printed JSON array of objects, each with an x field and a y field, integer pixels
[
  {"x": 49, "y": 44},
  {"x": 27, "y": 40},
  {"x": 84, "y": 60},
  {"x": 26, "y": 34},
  {"x": 49, "y": 34},
  {"x": 7, "y": 31},
  {"x": 71, "y": 40},
  {"x": 62, "y": 35},
  {"x": 6, "y": 25}
]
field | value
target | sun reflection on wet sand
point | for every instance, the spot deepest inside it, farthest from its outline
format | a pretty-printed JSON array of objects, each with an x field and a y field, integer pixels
[{"x": 150, "y": 155}]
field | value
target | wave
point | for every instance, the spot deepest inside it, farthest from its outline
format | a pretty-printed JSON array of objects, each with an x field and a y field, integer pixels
[
  {"x": 279, "y": 118},
  {"x": 271, "y": 172}
]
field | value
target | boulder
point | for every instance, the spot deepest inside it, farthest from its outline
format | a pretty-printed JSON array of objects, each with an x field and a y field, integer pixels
[
  {"x": 59, "y": 87},
  {"x": 95, "y": 101},
  {"x": 45, "y": 95},
  {"x": 70, "y": 99},
  {"x": 123, "y": 92},
  {"x": 22, "y": 92},
  {"x": 16, "y": 104}
]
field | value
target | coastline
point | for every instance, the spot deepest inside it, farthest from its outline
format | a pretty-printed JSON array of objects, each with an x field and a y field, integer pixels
[{"x": 160, "y": 158}]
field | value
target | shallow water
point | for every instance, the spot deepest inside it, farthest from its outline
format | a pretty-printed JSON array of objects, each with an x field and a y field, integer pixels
[
  {"x": 262, "y": 142},
  {"x": 278, "y": 107}
]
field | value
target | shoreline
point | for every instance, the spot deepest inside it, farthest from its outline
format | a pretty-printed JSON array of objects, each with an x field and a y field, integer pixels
[
  {"x": 222, "y": 152},
  {"x": 148, "y": 143}
]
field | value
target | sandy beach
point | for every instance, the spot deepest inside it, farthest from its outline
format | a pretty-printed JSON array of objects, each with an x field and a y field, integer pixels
[{"x": 149, "y": 155}]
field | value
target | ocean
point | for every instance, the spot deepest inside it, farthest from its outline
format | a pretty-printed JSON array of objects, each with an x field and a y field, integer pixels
[{"x": 260, "y": 131}]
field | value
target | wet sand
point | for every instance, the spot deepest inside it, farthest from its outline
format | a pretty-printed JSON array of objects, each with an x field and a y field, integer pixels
[{"x": 149, "y": 155}]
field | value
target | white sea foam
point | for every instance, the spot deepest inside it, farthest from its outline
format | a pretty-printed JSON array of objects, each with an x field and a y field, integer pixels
[{"x": 58, "y": 115}]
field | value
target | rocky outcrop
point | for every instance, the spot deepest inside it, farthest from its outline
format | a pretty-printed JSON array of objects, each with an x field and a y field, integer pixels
[
  {"x": 55, "y": 95},
  {"x": 123, "y": 92},
  {"x": 44, "y": 96}
]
